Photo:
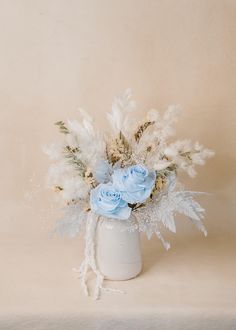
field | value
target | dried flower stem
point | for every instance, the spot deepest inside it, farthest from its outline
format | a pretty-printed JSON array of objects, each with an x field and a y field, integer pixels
[{"x": 138, "y": 134}]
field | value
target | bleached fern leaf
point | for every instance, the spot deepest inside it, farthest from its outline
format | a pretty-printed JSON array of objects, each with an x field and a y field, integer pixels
[
  {"x": 143, "y": 223},
  {"x": 200, "y": 226},
  {"x": 186, "y": 205},
  {"x": 72, "y": 221},
  {"x": 165, "y": 207},
  {"x": 178, "y": 202},
  {"x": 164, "y": 242},
  {"x": 166, "y": 215}
]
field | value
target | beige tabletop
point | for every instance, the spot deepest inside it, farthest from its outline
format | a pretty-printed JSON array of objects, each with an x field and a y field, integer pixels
[{"x": 192, "y": 286}]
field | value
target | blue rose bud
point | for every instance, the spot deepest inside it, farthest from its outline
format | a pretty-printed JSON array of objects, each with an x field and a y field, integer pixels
[
  {"x": 135, "y": 183},
  {"x": 105, "y": 200}
]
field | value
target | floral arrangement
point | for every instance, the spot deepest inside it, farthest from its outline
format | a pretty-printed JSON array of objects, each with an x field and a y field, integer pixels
[{"x": 131, "y": 170}]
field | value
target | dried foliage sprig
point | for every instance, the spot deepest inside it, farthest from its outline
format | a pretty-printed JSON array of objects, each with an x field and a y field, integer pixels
[
  {"x": 138, "y": 134},
  {"x": 119, "y": 150},
  {"x": 72, "y": 155},
  {"x": 62, "y": 127}
]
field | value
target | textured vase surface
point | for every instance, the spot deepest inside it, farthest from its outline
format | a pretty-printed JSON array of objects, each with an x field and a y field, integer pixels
[{"x": 118, "y": 251}]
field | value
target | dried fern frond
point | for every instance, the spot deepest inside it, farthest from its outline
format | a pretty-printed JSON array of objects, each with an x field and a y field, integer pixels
[{"x": 164, "y": 208}]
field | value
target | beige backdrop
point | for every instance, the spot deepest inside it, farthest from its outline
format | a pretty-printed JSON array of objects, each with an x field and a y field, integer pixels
[{"x": 57, "y": 55}]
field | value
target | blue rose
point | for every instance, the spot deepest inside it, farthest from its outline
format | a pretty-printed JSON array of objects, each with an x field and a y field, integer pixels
[
  {"x": 135, "y": 183},
  {"x": 105, "y": 200}
]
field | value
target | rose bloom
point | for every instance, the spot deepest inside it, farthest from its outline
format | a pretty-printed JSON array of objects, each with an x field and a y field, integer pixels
[
  {"x": 105, "y": 200},
  {"x": 135, "y": 183}
]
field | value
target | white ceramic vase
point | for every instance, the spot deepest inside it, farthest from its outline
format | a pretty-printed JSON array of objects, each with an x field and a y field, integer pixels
[{"x": 118, "y": 252}]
